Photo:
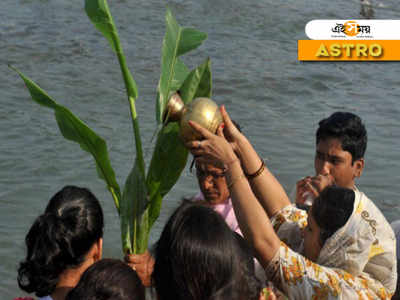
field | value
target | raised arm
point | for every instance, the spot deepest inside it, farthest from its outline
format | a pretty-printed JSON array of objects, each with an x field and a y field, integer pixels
[
  {"x": 251, "y": 216},
  {"x": 265, "y": 186},
  {"x": 249, "y": 212}
]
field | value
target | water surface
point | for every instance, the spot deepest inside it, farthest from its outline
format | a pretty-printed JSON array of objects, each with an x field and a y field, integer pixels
[{"x": 253, "y": 49}]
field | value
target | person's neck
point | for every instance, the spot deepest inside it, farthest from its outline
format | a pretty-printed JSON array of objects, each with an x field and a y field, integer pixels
[
  {"x": 350, "y": 185},
  {"x": 353, "y": 186},
  {"x": 68, "y": 280}
]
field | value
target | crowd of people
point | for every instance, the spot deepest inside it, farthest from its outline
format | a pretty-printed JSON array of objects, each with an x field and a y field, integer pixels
[{"x": 240, "y": 237}]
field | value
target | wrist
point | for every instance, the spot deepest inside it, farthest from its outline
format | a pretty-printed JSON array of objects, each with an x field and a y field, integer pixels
[
  {"x": 242, "y": 143},
  {"x": 230, "y": 158},
  {"x": 257, "y": 173}
]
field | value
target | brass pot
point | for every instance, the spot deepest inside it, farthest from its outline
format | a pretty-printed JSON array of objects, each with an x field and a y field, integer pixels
[{"x": 203, "y": 111}]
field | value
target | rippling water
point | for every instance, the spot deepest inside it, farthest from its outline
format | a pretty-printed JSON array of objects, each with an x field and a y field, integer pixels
[{"x": 253, "y": 48}]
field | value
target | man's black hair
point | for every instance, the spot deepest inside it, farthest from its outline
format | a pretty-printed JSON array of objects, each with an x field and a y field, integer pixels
[{"x": 348, "y": 129}]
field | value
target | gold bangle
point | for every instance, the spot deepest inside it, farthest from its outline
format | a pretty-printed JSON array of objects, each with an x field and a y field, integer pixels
[
  {"x": 235, "y": 179},
  {"x": 258, "y": 172}
]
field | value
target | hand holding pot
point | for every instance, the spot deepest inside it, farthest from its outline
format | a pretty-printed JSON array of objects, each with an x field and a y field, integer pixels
[{"x": 213, "y": 148}]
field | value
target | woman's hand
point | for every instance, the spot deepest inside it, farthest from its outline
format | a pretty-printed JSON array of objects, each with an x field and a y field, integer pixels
[
  {"x": 231, "y": 133},
  {"x": 213, "y": 149},
  {"x": 143, "y": 264}
]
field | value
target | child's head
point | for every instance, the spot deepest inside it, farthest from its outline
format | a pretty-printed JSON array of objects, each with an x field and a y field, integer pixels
[
  {"x": 341, "y": 141},
  {"x": 108, "y": 279},
  {"x": 330, "y": 211},
  {"x": 199, "y": 257},
  {"x": 60, "y": 239}
]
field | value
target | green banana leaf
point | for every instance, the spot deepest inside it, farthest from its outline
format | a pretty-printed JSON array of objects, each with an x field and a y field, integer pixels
[
  {"x": 140, "y": 203},
  {"x": 180, "y": 73},
  {"x": 134, "y": 225},
  {"x": 134, "y": 217},
  {"x": 198, "y": 83},
  {"x": 100, "y": 15},
  {"x": 72, "y": 128},
  {"x": 177, "y": 41},
  {"x": 170, "y": 155},
  {"x": 167, "y": 144}
]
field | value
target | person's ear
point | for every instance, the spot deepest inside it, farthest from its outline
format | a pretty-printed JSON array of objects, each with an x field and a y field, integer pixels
[
  {"x": 100, "y": 248},
  {"x": 359, "y": 167},
  {"x": 97, "y": 250}
]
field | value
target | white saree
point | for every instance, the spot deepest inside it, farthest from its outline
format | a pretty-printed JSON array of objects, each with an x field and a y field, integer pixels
[{"x": 357, "y": 262}]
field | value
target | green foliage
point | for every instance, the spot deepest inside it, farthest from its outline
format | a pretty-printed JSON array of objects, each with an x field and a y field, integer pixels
[
  {"x": 164, "y": 171},
  {"x": 100, "y": 15},
  {"x": 177, "y": 41},
  {"x": 134, "y": 203},
  {"x": 140, "y": 203},
  {"x": 72, "y": 128},
  {"x": 198, "y": 83}
]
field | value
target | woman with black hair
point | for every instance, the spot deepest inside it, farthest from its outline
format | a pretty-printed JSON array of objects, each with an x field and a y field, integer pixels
[
  {"x": 198, "y": 257},
  {"x": 108, "y": 279},
  {"x": 62, "y": 243}
]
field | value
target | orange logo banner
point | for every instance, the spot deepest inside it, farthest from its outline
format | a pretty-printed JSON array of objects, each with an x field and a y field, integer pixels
[{"x": 349, "y": 50}]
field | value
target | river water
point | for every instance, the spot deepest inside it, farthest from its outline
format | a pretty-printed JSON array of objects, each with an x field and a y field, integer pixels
[{"x": 253, "y": 48}]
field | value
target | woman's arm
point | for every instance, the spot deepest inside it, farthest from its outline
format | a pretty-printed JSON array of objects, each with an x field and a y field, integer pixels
[
  {"x": 265, "y": 186},
  {"x": 252, "y": 218}
]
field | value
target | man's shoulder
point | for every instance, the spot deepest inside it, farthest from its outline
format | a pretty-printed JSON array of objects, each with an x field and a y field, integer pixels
[
  {"x": 366, "y": 203},
  {"x": 371, "y": 212}
]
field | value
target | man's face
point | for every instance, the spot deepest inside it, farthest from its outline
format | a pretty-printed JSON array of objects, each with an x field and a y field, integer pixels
[
  {"x": 212, "y": 183},
  {"x": 331, "y": 159}
]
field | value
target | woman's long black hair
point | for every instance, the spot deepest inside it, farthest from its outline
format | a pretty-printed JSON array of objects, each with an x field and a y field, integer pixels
[
  {"x": 198, "y": 257},
  {"x": 60, "y": 239}
]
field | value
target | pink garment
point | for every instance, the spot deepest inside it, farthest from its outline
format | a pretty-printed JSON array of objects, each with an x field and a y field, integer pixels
[{"x": 225, "y": 210}]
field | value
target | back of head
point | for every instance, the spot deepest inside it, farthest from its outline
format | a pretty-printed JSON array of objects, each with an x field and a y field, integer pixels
[
  {"x": 108, "y": 279},
  {"x": 332, "y": 209},
  {"x": 60, "y": 239},
  {"x": 348, "y": 129},
  {"x": 198, "y": 257}
]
